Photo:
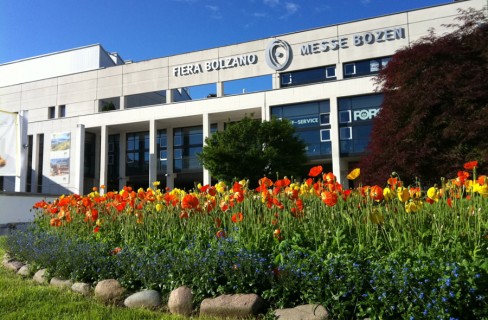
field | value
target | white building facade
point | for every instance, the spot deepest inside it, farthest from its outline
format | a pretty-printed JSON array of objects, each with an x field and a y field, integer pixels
[{"x": 97, "y": 120}]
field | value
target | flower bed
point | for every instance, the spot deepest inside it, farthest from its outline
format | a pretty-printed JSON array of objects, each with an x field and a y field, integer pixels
[{"x": 391, "y": 252}]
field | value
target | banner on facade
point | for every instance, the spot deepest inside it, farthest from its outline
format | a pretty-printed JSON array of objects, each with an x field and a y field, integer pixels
[
  {"x": 60, "y": 157},
  {"x": 9, "y": 143}
]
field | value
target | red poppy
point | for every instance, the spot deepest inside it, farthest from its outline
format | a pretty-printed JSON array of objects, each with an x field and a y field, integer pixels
[
  {"x": 265, "y": 182},
  {"x": 97, "y": 229},
  {"x": 376, "y": 193},
  {"x": 329, "y": 177},
  {"x": 220, "y": 234},
  {"x": 449, "y": 202},
  {"x": 329, "y": 198},
  {"x": 189, "y": 201},
  {"x": 315, "y": 171},
  {"x": 184, "y": 215},
  {"x": 482, "y": 180},
  {"x": 470, "y": 165},
  {"x": 218, "y": 222},
  {"x": 237, "y": 217}
]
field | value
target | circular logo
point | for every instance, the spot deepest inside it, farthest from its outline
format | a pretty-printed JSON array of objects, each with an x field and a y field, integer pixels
[
  {"x": 364, "y": 115},
  {"x": 278, "y": 54}
]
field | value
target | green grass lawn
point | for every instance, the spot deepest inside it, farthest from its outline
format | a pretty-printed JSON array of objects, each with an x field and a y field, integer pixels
[{"x": 25, "y": 299}]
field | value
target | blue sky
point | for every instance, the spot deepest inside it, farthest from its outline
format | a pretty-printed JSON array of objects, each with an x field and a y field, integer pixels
[{"x": 146, "y": 29}]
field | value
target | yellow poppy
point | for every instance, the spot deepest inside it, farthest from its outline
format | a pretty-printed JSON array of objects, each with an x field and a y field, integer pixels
[{"x": 354, "y": 174}]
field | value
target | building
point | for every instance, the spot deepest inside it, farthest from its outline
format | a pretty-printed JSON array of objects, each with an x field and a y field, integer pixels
[{"x": 95, "y": 119}]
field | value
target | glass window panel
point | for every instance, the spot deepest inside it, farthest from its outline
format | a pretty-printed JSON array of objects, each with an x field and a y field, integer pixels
[
  {"x": 195, "y": 139},
  {"x": 345, "y": 133},
  {"x": 324, "y": 119},
  {"x": 374, "y": 66},
  {"x": 325, "y": 135},
  {"x": 309, "y": 136},
  {"x": 178, "y": 141},
  {"x": 326, "y": 148},
  {"x": 345, "y": 116},
  {"x": 349, "y": 69},
  {"x": 286, "y": 79},
  {"x": 384, "y": 62},
  {"x": 330, "y": 72},
  {"x": 324, "y": 106},
  {"x": 346, "y": 146},
  {"x": 163, "y": 155},
  {"x": 178, "y": 153},
  {"x": 312, "y": 149}
]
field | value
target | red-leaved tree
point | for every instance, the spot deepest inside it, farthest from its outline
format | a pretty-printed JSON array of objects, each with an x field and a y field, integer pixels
[{"x": 434, "y": 116}]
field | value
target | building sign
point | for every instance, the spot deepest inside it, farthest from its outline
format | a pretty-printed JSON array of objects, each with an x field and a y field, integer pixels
[
  {"x": 278, "y": 55},
  {"x": 364, "y": 114},
  {"x": 214, "y": 65},
  {"x": 356, "y": 40},
  {"x": 60, "y": 157},
  {"x": 9, "y": 144},
  {"x": 305, "y": 122}
]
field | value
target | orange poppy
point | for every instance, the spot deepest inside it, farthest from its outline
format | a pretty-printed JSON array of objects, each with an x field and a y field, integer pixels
[
  {"x": 265, "y": 182},
  {"x": 315, "y": 171},
  {"x": 237, "y": 217},
  {"x": 470, "y": 165},
  {"x": 329, "y": 177},
  {"x": 189, "y": 201},
  {"x": 329, "y": 198},
  {"x": 376, "y": 193}
]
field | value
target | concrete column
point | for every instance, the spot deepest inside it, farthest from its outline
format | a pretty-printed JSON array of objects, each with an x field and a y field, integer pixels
[
  {"x": 206, "y": 133},
  {"x": 35, "y": 162},
  {"x": 153, "y": 158},
  {"x": 79, "y": 169},
  {"x": 220, "y": 89},
  {"x": 122, "y": 160},
  {"x": 265, "y": 110},
  {"x": 103, "y": 156},
  {"x": 169, "y": 95},
  {"x": 21, "y": 174},
  {"x": 170, "y": 175},
  {"x": 122, "y": 103},
  {"x": 276, "y": 81}
]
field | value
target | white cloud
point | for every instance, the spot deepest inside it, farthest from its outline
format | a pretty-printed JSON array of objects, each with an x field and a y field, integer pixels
[
  {"x": 216, "y": 14},
  {"x": 290, "y": 8},
  {"x": 271, "y": 3},
  {"x": 259, "y": 15},
  {"x": 212, "y": 8}
]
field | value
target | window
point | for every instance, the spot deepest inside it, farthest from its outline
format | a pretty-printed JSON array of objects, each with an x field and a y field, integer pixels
[
  {"x": 349, "y": 69},
  {"x": 62, "y": 111},
  {"x": 324, "y": 119},
  {"x": 312, "y": 124},
  {"x": 51, "y": 112},
  {"x": 345, "y": 133},
  {"x": 330, "y": 72},
  {"x": 324, "y": 135},
  {"x": 301, "y": 77},
  {"x": 345, "y": 116},
  {"x": 365, "y": 67}
]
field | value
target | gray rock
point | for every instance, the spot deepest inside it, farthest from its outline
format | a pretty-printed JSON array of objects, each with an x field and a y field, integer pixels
[
  {"x": 6, "y": 258},
  {"x": 40, "y": 276},
  {"x": 234, "y": 306},
  {"x": 305, "y": 312},
  {"x": 109, "y": 290},
  {"x": 61, "y": 283},
  {"x": 144, "y": 299},
  {"x": 81, "y": 287},
  {"x": 24, "y": 271},
  {"x": 13, "y": 265},
  {"x": 181, "y": 301}
]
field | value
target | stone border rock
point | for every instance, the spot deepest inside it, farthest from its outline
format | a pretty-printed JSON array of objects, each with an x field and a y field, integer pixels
[{"x": 180, "y": 302}]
